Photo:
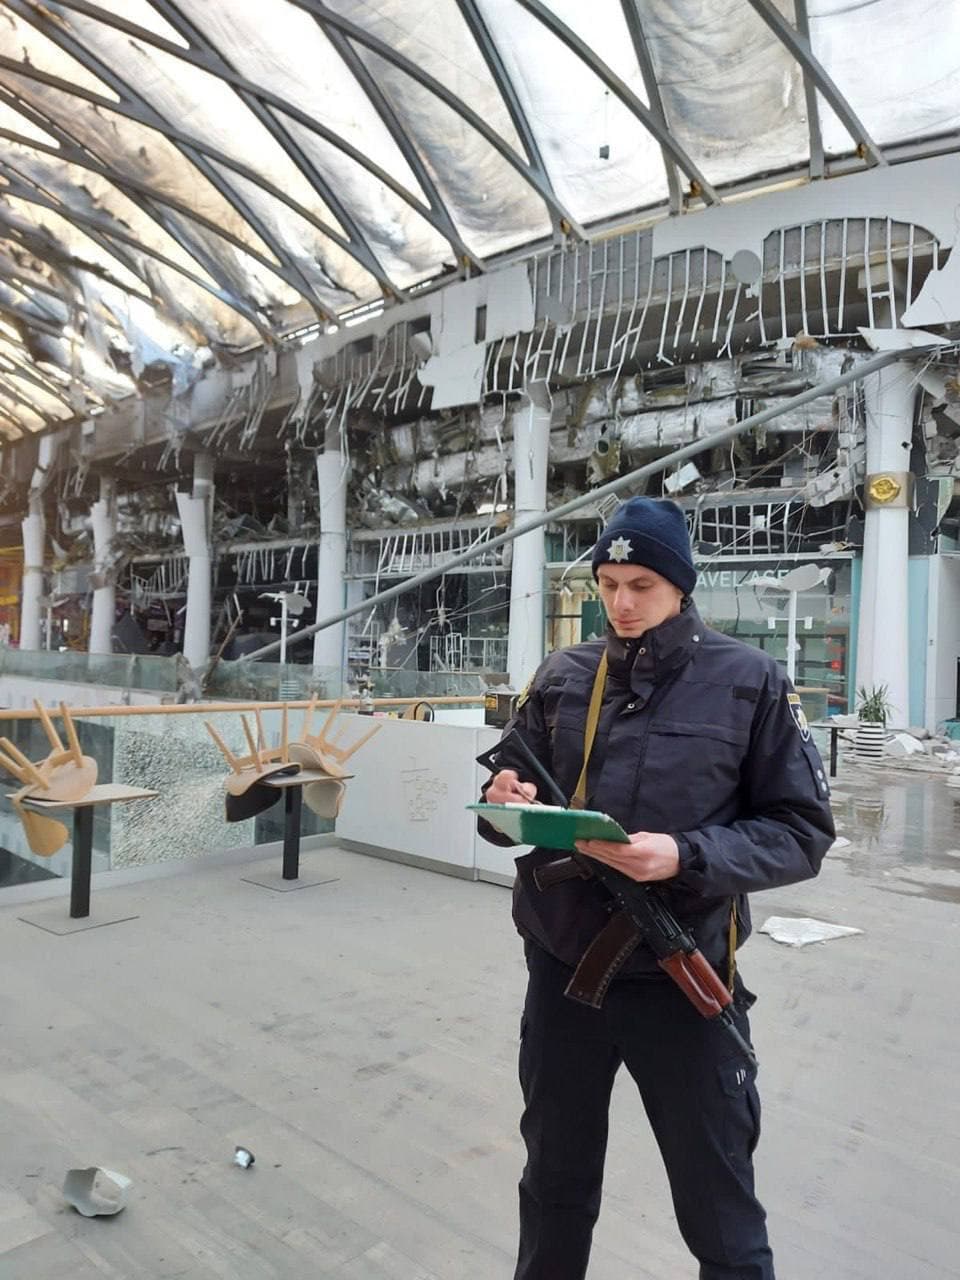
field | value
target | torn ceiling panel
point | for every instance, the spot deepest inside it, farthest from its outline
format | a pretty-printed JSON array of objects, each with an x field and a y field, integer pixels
[{"x": 249, "y": 169}]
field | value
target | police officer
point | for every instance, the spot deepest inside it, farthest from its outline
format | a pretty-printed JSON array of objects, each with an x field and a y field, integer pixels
[{"x": 701, "y": 752}]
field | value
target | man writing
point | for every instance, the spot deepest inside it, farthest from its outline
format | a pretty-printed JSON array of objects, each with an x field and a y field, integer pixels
[{"x": 699, "y": 749}]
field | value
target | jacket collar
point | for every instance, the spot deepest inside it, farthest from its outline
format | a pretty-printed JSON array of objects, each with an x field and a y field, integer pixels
[{"x": 657, "y": 652}]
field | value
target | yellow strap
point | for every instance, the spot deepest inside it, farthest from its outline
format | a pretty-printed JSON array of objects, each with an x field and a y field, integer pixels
[
  {"x": 732, "y": 945},
  {"x": 579, "y": 798}
]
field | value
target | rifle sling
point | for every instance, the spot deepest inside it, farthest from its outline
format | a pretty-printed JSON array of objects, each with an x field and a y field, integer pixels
[
  {"x": 601, "y": 961},
  {"x": 579, "y": 797}
]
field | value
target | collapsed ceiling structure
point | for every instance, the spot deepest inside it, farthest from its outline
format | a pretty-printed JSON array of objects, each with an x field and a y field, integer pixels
[{"x": 259, "y": 230}]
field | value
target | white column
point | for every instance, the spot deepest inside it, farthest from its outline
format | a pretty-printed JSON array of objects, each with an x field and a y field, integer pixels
[
  {"x": 103, "y": 516},
  {"x": 332, "y": 478},
  {"x": 34, "y": 531},
  {"x": 195, "y": 510},
  {"x": 883, "y": 636},
  {"x": 531, "y": 446}
]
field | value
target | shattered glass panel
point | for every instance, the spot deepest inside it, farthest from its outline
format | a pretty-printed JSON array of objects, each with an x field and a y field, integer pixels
[
  {"x": 436, "y": 38},
  {"x": 21, "y": 40},
  {"x": 292, "y": 57},
  {"x": 176, "y": 756},
  {"x": 913, "y": 90},
  {"x": 732, "y": 94},
  {"x": 491, "y": 202},
  {"x": 143, "y": 13},
  {"x": 198, "y": 104},
  {"x": 44, "y": 223},
  {"x": 407, "y": 247},
  {"x": 16, "y": 122},
  {"x": 143, "y": 153},
  {"x": 338, "y": 278},
  {"x": 88, "y": 193},
  {"x": 26, "y": 388},
  {"x": 600, "y": 157},
  {"x": 138, "y": 274}
]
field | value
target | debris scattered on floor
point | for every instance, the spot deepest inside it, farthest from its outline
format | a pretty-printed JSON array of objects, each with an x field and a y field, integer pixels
[
  {"x": 243, "y": 1157},
  {"x": 841, "y": 842},
  {"x": 96, "y": 1192},
  {"x": 798, "y": 931},
  {"x": 901, "y": 745}
]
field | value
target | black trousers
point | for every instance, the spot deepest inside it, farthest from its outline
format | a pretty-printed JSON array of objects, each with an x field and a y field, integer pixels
[{"x": 700, "y": 1098}]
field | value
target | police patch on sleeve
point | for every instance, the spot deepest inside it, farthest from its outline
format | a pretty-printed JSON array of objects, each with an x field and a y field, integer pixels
[
  {"x": 799, "y": 718},
  {"x": 525, "y": 692}
]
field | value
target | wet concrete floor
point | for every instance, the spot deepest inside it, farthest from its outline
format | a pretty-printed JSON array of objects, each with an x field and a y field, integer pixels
[{"x": 903, "y": 828}]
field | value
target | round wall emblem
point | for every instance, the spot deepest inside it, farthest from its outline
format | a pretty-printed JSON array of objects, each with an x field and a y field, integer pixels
[{"x": 884, "y": 489}]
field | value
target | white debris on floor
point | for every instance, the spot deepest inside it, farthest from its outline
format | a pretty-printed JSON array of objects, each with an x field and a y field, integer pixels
[{"x": 799, "y": 931}]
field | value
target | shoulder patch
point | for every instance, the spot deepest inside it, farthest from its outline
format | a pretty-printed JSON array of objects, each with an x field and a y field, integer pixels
[
  {"x": 799, "y": 717},
  {"x": 525, "y": 692}
]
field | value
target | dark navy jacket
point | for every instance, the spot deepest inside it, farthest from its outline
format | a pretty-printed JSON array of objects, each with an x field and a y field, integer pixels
[{"x": 698, "y": 738}]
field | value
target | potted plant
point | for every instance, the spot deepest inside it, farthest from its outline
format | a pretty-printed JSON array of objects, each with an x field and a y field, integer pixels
[{"x": 873, "y": 709}]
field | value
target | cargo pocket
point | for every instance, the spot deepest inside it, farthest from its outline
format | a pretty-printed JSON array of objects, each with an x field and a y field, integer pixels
[{"x": 738, "y": 1081}]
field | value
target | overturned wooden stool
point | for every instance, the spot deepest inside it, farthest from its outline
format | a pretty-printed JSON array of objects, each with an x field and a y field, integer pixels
[
  {"x": 325, "y": 754},
  {"x": 64, "y": 777},
  {"x": 245, "y": 792}
]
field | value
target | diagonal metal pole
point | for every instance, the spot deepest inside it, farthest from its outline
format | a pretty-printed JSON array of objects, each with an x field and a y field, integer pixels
[{"x": 614, "y": 486}]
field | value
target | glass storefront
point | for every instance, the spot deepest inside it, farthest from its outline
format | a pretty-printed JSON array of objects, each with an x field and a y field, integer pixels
[{"x": 732, "y": 597}]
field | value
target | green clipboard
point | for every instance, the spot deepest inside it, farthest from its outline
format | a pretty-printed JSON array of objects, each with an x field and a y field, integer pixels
[{"x": 549, "y": 825}]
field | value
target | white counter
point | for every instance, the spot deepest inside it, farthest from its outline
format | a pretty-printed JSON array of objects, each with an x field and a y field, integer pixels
[{"x": 408, "y": 800}]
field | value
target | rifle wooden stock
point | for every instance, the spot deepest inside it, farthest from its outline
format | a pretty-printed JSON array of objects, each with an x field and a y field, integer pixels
[{"x": 698, "y": 981}]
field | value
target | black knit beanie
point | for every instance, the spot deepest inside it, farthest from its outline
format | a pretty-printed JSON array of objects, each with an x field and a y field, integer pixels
[{"x": 651, "y": 532}]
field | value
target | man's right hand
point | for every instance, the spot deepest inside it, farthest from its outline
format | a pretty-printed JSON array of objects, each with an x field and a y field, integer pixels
[{"x": 506, "y": 788}]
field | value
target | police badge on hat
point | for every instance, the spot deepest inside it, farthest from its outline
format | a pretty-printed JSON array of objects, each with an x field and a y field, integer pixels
[{"x": 799, "y": 718}]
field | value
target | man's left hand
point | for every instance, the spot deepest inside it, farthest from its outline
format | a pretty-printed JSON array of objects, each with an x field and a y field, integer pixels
[{"x": 650, "y": 855}]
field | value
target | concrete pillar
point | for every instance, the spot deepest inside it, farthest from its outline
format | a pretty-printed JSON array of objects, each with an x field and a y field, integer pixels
[
  {"x": 103, "y": 515},
  {"x": 530, "y": 421},
  {"x": 33, "y": 528},
  {"x": 195, "y": 511},
  {"x": 332, "y": 475},
  {"x": 34, "y": 533},
  {"x": 883, "y": 634}
]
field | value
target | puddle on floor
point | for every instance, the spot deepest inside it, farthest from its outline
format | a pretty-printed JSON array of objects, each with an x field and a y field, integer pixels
[{"x": 903, "y": 830}]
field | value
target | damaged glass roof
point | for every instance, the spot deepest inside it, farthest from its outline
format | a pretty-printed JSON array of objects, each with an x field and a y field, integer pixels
[{"x": 180, "y": 177}]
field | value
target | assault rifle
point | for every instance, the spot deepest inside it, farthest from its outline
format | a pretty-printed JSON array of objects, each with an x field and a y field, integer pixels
[{"x": 643, "y": 916}]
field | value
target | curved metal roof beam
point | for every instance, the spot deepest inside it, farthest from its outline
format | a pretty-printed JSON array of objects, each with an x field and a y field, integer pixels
[
  {"x": 210, "y": 61},
  {"x": 631, "y": 14},
  {"x": 23, "y": 187},
  {"x": 57, "y": 258},
  {"x": 800, "y": 49},
  {"x": 810, "y": 95},
  {"x": 288, "y": 145},
  {"x": 8, "y": 425},
  {"x": 182, "y": 140},
  {"x": 19, "y": 396},
  {"x": 501, "y": 77},
  {"x": 98, "y": 231},
  {"x": 543, "y": 189},
  {"x": 135, "y": 190},
  {"x": 20, "y": 316},
  {"x": 25, "y": 370},
  {"x": 126, "y": 92},
  {"x": 404, "y": 144},
  {"x": 259, "y": 99},
  {"x": 699, "y": 186}
]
